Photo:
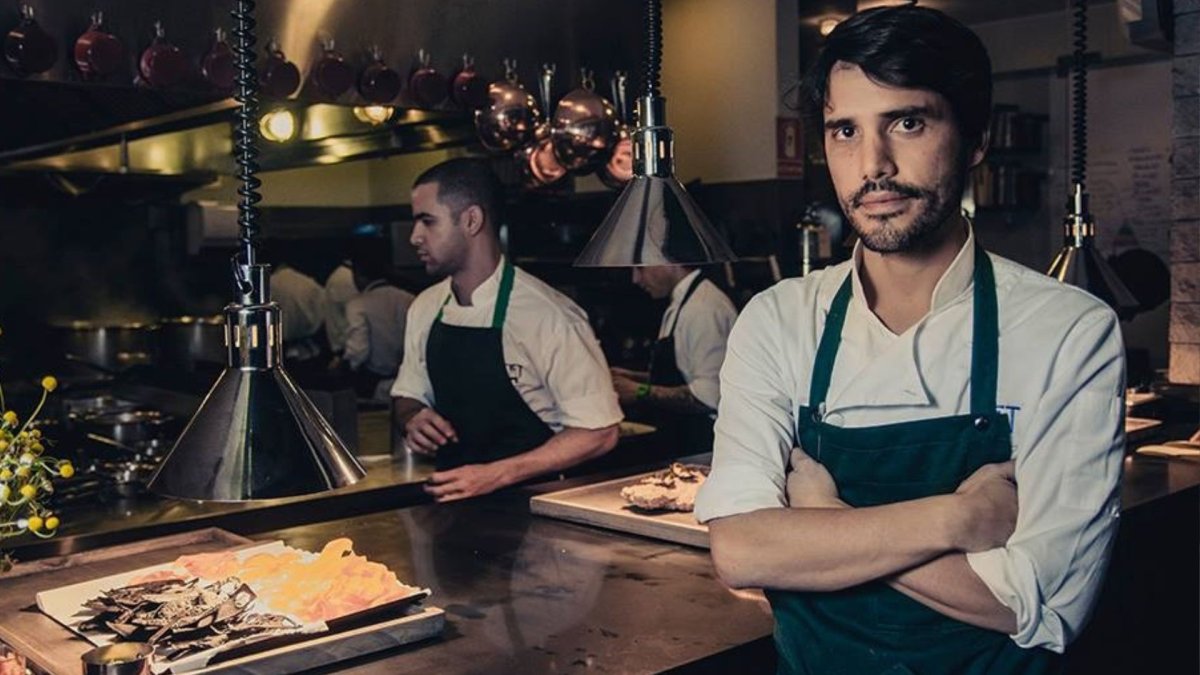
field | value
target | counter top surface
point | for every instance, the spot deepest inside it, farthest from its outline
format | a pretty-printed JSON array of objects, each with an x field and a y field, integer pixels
[
  {"x": 528, "y": 594},
  {"x": 393, "y": 482}
]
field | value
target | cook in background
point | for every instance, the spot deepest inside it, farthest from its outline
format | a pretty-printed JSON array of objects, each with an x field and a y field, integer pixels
[
  {"x": 375, "y": 317},
  {"x": 502, "y": 378},
  {"x": 679, "y": 391},
  {"x": 918, "y": 452},
  {"x": 340, "y": 288},
  {"x": 302, "y": 304}
]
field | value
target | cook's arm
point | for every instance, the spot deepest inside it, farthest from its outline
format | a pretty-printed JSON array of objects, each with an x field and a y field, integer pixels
[{"x": 565, "y": 449}]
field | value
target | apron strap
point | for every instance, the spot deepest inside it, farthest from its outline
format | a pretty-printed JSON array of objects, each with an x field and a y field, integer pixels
[
  {"x": 501, "y": 311},
  {"x": 985, "y": 340},
  {"x": 831, "y": 337},
  {"x": 686, "y": 296}
]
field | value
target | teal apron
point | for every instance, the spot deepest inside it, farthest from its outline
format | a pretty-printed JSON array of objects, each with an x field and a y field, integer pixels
[
  {"x": 472, "y": 389},
  {"x": 872, "y": 629}
]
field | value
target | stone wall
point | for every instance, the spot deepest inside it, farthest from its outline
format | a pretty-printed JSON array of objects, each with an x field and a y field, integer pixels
[{"x": 1185, "y": 197}]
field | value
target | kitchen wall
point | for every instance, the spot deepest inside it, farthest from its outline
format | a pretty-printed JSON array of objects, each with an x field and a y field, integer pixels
[{"x": 1185, "y": 191}]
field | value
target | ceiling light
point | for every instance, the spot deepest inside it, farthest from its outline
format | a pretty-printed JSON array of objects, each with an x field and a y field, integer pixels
[
  {"x": 279, "y": 125},
  {"x": 374, "y": 114}
]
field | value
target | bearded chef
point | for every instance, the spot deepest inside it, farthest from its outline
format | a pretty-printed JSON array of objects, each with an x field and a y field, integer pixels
[
  {"x": 502, "y": 378},
  {"x": 918, "y": 452}
]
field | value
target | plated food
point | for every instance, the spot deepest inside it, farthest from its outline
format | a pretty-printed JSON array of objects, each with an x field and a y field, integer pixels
[
  {"x": 672, "y": 489},
  {"x": 201, "y": 605},
  {"x": 181, "y": 617}
]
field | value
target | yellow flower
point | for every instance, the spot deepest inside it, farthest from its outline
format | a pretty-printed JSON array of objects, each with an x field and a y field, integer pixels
[
  {"x": 28, "y": 491},
  {"x": 52, "y": 523},
  {"x": 25, "y": 459},
  {"x": 66, "y": 470},
  {"x": 10, "y": 418},
  {"x": 5, "y": 474},
  {"x": 36, "y": 447},
  {"x": 5, "y": 492},
  {"x": 49, "y": 383},
  {"x": 35, "y": 523},
  {"x": 22, "y": 472},
  {"x": 36, "y": 433}
]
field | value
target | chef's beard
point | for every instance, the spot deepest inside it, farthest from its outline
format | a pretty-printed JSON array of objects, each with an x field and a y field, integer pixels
[{"x": 888, "y": 236}]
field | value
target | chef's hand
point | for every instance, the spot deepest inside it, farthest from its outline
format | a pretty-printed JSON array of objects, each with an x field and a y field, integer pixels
[
  {"x": 988, "y": 499},
  {"x": 427, "y": 431},
  {"x": 810, "y": 486},
  {"x": 625, "y": 372},
  {"x": 626, "y": 388},
  {"x": 470, "y": 480}
]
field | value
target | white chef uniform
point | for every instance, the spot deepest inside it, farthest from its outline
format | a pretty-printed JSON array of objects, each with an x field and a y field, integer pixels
[
  {"x": 1061, "y": 383},
  {"x": 700, "y": 335},
  {"x": 551, "y": 354}
]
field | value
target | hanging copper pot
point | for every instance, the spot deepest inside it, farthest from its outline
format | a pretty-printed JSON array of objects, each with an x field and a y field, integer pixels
[
  {"x": 618, "y": 170},
  {"x": 510, "y": 117},
  {"x": 468, "y": 89},
  {"x": 28, "y": 48},
  {"x": 218, "y": 66},
  {"x": 162, "y": 64},
  {"x": 539, "y": 166},
  {"x": 378, "y": 83},
  {"x": 584, "y": 126},
  {"x": 97, "y": 52},
  {"x": 280, "y": 77},
  {"x": 426, "y": 86},
  {"x": 331, "y": 74}
]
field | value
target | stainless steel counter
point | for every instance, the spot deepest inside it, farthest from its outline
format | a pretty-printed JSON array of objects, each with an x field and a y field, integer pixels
[{"x": 525, "y": 594}]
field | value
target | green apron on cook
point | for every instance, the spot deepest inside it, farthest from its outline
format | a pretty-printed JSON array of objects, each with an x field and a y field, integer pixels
[{"x": 872, "y": 629}]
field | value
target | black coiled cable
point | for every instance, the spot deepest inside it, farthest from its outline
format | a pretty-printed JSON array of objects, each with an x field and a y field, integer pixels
[
  {"x": 1079, "y": 93},
  {"x": 245, "y": 144},
  {"x": 654, "y": 42}
]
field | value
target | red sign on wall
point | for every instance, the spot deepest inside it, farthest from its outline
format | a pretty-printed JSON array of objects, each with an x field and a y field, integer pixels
[{"x": 789, "y": 148}]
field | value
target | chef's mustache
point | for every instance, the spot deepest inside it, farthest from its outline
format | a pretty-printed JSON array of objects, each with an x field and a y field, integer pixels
[{"x": 887, "y": 185}]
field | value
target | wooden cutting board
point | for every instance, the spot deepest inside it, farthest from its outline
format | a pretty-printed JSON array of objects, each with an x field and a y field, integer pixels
[
  {"x": 601, "y": 505},
  {"x": 56, "y": 650}
]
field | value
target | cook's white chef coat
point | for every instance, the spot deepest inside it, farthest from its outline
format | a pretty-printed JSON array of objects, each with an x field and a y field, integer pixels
[
  {"x": 1061, "y": 383},
  {"x": 552, "y": 356},
  {"x": 301, "y": 301},
  {"x": 339, "y": 290},
  {"x": 375, "y": 328},
  {"x": 700, "y": 335}
]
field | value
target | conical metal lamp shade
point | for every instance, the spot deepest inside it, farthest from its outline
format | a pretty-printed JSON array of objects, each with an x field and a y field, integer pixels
[
  {"x": 1082, "y": 266},
  {"x": 256, "y": 435},
  {"x": 654, "y": 222}
]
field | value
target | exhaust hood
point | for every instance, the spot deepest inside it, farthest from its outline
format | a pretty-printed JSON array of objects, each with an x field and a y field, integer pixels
[{"x": 57, "y": 121}]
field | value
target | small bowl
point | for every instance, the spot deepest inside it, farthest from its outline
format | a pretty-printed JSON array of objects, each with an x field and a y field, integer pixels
[{"x": 123, "y": 658}]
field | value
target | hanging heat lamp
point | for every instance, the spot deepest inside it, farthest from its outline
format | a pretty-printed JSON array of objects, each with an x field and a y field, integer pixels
[
  {"x": 1079, "y": 263},
  {"x": 256, "y": 435},
  {"x": 654, "y": 221}
]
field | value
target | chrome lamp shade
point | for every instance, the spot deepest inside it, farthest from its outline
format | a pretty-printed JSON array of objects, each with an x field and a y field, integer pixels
[
  {"x": 256, "y": 435},
  {"x": 1079, "y": 264},
  {"x": 654, "y": 221}
]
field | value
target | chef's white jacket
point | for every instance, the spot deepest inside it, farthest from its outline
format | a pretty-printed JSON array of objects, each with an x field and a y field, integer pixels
[
  {"x": 339, "y": 290},
  {"x": 1061, "y": 384},
  {"x": 375, "y": 328},
  {"x": 700, "y": 335},
  {"x": 551, "y": 354},
  {"x": 302, "y": 303}
]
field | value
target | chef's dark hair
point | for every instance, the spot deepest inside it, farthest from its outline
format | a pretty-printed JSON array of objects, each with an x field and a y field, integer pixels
[
  {"x": 914, "y": 48},
  {"x": 464, "y": 182}
]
